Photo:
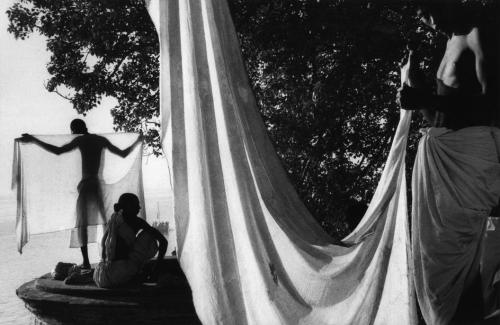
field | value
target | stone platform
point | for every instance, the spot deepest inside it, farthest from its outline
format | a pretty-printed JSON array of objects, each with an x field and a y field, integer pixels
[{"x": 167, "y": 302}]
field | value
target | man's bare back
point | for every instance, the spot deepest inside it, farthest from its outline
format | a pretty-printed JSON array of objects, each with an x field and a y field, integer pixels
[
  {"x": 461, "y": 74},
  {"x": 457, "y": 63},
  {"x": 461, "y": 98},
  {"x": 91, "y": 147}
]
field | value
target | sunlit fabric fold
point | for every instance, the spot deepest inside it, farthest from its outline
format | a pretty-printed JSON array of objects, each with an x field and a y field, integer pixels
[{"x": 251, "y": 251}]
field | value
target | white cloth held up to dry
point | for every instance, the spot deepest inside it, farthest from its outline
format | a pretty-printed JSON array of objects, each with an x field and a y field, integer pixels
[{"x": 50, "y": 188}]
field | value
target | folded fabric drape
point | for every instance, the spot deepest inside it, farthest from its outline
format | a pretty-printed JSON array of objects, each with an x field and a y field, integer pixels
[
  {"x": 50, "y": 188},
  {"x": 456, "y": 184},
  {"x": 251, "y": 251}
]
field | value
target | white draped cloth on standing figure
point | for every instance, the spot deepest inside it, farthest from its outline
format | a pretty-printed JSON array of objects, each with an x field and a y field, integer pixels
[
  {"x": 456, "y": 184},
  {"x": 51, "y": 195},
  {"x": 251, "y": 251}
]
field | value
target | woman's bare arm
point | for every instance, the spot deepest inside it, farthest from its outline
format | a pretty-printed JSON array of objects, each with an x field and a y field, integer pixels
[
  {"x": 162, "y": 242},
  {"x": 103, "y": 245}
]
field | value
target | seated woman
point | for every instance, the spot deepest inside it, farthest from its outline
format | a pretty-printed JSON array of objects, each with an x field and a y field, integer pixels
[{"x": 128, "y": 243}]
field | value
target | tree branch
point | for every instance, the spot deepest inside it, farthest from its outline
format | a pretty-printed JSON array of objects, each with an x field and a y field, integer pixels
[
  {"x": 86, "y": 55},
  {"x": 152, "y": 123},
  {"x": 57, "y": 92},
  {"x": 115, "y": 70}
]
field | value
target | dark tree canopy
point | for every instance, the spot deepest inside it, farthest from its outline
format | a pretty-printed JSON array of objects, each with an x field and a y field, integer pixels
[
  {"x": 325, "y": 75},
  {"x": 98, "y": 48}
]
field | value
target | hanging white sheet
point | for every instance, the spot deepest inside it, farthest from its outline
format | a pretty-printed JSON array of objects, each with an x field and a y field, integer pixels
[
  {"x": 251, "y": 251},
  {"x": 47, "y": 185}
]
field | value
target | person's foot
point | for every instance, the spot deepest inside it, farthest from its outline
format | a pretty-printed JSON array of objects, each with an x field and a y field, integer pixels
[
  {"x": 80, "y": 276},
  {"x": 85, "y": 256},
  {"x": 84, "y": 266},
  {"x": 62, "y": 270}
]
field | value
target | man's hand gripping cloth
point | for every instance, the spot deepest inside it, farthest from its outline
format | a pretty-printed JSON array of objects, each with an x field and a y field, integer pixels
[{"x": 456, "y": 183}]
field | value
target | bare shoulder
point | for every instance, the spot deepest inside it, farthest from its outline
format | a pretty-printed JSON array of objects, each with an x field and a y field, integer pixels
[
  {"x": 77, "y": 141},
  {"x": 144, "y": 223},
  {"x": 99, "y": 139},
  {"x": 474, "y": 39},
  {"x": 92, "y": 141},
  {"x": 140, "y": 223}
]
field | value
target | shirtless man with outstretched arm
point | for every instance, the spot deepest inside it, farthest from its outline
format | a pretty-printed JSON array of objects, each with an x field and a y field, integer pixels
[{"x": 89, "y": 204}]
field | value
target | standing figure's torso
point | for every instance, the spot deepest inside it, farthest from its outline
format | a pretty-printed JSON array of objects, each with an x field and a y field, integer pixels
[
  {"x": 457, "y": 76},
  {"x": 457, "y": 69},
  {"x": 91, "y": 146}
]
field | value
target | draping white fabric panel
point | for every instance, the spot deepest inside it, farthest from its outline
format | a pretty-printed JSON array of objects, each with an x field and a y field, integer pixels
[
  {"x": 456, "y": 183},
  {"x": 47, "y": 185},
  {"x": 250, "y": 249}
]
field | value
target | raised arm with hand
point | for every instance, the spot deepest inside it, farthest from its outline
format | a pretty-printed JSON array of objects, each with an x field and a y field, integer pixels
[
  {"x": 125, "y": 152},
  {"x": 49, "y": 147}
]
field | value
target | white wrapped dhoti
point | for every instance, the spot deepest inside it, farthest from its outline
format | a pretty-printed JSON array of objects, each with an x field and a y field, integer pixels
[
  {"x": 456, "y": 183},
  {"x": 90, "y": 210}
]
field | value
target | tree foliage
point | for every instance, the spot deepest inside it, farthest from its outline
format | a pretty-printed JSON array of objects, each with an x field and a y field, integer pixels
[
  {"x": 98, "y": 48},
  {"x": 325, "y": 75}
]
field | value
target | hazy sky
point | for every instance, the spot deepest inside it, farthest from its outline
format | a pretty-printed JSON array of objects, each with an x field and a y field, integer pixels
[{"x": 26, "y": 106}]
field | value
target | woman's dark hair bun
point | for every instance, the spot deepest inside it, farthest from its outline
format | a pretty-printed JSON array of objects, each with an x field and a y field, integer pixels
[{"x": 117, "y": 207}]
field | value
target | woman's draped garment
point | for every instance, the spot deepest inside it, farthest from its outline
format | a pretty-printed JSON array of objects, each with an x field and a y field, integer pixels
[
  {"x": 112, "y": 272},
  {"x": 52, "y": 196},
  {"x": 456, "y": 183}
]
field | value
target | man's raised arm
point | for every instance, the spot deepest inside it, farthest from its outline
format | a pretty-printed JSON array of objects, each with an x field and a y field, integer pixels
[
  {"x": 49, "y": 147},
  {"x": 122, "y": 153}
]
